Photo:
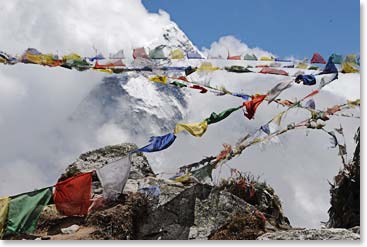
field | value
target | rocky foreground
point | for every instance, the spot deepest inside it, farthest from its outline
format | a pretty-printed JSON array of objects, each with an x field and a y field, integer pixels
[{"x": 154, "y": 208}]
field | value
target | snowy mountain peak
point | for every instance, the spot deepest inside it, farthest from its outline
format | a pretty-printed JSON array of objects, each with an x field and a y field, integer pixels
[{"x": 173, "y": 37}]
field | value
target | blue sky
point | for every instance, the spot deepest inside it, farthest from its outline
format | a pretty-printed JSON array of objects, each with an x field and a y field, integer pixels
[{"x": 283, "y": 27}]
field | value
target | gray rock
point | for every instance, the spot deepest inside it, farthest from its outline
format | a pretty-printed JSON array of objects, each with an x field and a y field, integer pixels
[
  {"x": 312, "y": 234},
  {"x": 100, "y": 157},
  {"x": 215, "y": 211},
  {"x": 172, "y": 219}
]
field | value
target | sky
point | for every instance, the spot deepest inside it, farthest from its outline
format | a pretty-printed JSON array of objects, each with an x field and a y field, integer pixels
[{"x": 285, "y": 28}]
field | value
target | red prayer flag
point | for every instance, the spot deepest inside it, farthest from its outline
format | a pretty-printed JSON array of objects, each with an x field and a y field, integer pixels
[
  {"x": 252, "y": 105},
  {"x": 267, "y": 70},
  {"x": 73, "y": 195},
  {"x": 183, "y": 78},
  {"x": 311, "y": 94},
  {"x": 140, "y": 52},
  {"x": 203, "y": 89},
  {"x": 234, "y": 57}
]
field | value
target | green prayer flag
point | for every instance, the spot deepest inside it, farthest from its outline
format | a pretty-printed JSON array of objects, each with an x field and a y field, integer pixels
[
  {"x": 25, "y": 209},
  {"x": 214, "y": 117},
  {"x": 178, "y": 84},
  {"x": 204, "y": 172}
]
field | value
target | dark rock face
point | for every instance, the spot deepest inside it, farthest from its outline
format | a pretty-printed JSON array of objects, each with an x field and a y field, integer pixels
[
  {"x": 173, "y": 219},
  {"x": 345, "y": 193}
]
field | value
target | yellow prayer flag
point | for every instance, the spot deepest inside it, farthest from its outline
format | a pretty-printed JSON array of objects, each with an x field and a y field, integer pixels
[
  {"x": 3, "y": 60},
  {"x": 37, "y": 59},
  {"x": 109, "y": 71},
  {"x": 348, "y": 68},
  {"x": 195, "y": 129},
  {"x": 184, "y": 178},
  {"x": 354, "y": 103},
  {"x": 302, "y": 66},
  {"x": 4, "y": 205},
  {"x": 206, "y": 66},
  {"x": 266, "y": 59},
  {"x": 71, "y": 56},
  {"x": 159, "y": 79},
  {"x": 278, "y": 118},
  {"x": 177, "y": 54}
]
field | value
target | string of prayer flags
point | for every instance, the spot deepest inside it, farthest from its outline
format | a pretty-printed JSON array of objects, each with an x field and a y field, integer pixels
[
  {"x": 252, "y": 105},
  {"x": 158, "y": 143},
  {"x": 25, "y": 209},
  {"x": 214, "y": 117},
  {"x": 113, "y": 177},
  {"x": 195, "y": 129},
  {"x": 72, "y": 196}
]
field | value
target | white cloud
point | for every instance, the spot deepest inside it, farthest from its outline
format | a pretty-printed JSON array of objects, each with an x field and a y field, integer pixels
[
  {"x": 36, "y": 102},
  {"x": 110, "y": 134},
  {"x": 77, "y": 26},
  {"x": 230, "y": 45}
]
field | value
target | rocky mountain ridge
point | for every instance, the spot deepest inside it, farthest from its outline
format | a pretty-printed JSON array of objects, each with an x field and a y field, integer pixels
[{"x": 157, "y": 209}]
